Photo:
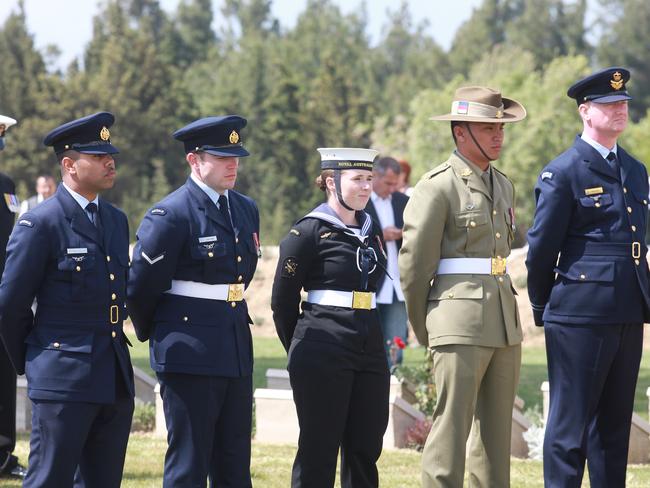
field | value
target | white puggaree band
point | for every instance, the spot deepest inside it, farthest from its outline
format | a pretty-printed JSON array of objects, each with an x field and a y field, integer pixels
[{"x": 475, "y": 109}]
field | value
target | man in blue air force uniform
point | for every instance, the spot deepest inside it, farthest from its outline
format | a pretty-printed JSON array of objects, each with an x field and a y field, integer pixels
[
  {"x": 71, "y": 254},
  {"x": 591, "y": 211},
  {"x": 197, "y": 250},
  {"x": 9, "y": 465}
]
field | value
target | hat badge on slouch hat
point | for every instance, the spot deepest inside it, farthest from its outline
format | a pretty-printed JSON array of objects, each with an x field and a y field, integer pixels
[{"x": 482, "y": 104}]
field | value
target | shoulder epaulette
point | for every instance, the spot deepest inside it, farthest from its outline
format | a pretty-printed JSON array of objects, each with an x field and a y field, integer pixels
[{"x": 436, "y": 171}]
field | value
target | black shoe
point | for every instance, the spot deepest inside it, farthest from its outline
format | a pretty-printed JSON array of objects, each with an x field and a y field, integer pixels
[{"x": 11, "y": 468}]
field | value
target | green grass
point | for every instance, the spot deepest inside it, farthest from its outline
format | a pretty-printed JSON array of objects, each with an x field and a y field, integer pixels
[
  {"x": 269, "y": 353},
  {"x": 271, "y": 467}
]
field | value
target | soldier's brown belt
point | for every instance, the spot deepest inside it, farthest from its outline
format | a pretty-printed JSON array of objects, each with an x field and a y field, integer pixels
[
  {"x": 193, "y": 289},
  {"x": 486, "y": 266}
]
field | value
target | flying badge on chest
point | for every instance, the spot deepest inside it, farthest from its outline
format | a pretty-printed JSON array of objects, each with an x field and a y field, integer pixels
[
  {"x": 13, "y": 204},
  {"x": 208, "y": 242}
]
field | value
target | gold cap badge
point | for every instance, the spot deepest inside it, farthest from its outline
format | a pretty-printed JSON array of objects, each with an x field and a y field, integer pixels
[
  {"x": 234, "y": 137},
  {"x": 104, "y": 134},
  {"x": 617, "y": 81},
  {"x": 499, "y": 114}
]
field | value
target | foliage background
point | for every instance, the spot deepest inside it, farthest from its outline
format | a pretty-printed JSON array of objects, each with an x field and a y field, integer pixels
[{"x": 319, "y": 83}]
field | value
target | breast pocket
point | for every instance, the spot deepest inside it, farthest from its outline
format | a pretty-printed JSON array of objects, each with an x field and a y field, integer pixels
[
  {"x": 455, "y": 307},
  {"x": 584, "y": 289},
  {"x": 596, "y": 201},
  {"x": 77, "y": 270},
  {"x": 474, "y": 225},
  {"x": 58, "y": 359},
  {"x": 206, "y": 256}
]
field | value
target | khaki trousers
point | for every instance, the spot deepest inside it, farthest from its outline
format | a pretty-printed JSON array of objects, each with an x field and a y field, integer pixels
[{"x": 475, "y": 388}]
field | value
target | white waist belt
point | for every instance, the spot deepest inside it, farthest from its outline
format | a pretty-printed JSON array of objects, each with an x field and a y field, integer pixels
[
  {"x": 194, "y": 289},
  {"x": 351, "y": 299},
  {"x": 487, "y": 266}
]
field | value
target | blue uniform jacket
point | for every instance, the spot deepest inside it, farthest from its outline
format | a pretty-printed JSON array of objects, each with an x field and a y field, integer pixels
[
  {"x": 596, "y": 224},
  {"x": 74, "y": 346},
  {"x": 185, "y": 237}
]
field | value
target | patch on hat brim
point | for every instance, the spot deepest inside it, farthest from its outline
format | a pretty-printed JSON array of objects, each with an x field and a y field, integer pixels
[{"x": 512, "y": 111}]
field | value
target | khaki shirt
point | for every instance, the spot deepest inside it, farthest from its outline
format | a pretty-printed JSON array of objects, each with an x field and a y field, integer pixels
[{"x": 451, "y": 214}]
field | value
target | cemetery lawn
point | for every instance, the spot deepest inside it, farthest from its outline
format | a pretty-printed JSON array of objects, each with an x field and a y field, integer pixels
[
  {"x": 271, "y": 467},
  {"x": 269, "y": 353}
]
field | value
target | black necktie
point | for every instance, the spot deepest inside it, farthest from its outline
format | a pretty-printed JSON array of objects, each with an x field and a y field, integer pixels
[
  {"x": 92, "y": 209},
  {"x": 223, "y": 208},
  {"x": 613, "y": 162}
]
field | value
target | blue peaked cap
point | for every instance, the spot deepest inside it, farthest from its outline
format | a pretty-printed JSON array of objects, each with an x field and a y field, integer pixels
[
  {"x": 88, "y": 135},
  {"x": 220, "y": 136}
]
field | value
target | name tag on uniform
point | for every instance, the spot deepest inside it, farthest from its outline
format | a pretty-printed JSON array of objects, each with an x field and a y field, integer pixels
[
  {"x": 13, "y": 204},
  {"x": 203, "y": 240},
  {"x": 77, "y": 250},
  {"x": 597, "y": 190}
]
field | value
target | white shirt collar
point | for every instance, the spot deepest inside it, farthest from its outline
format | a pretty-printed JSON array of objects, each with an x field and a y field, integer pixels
[
  {"x": 80, "y": 199},
  {"x": 212, "y": 194},
  {"x": 376, "y": 197},
  {"x": 602, "y": 150}
]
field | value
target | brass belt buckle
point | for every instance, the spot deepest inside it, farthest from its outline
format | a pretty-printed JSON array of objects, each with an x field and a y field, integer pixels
[
  {"x": 236, "y": 292},
  {"x": 114, "y": 313},
  {"x": 498, "y": 266},
  {"x": 636, "y": 250},
  {"x": 362, "y": 300}
]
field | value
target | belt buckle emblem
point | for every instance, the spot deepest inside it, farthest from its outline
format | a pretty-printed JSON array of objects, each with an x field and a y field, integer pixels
[
  {"x": 362, "y": 300},
  {"x": 498, "y": 266},
  {"x": 236, "y": 292},
  {"x": 114, "y": 313},
  {"x": 636, "y": 250}
]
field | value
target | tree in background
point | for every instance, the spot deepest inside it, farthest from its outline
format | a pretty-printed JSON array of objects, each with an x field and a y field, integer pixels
[
  {"x": 319, "y": 83},
  {"x": 624, "y": 41}
]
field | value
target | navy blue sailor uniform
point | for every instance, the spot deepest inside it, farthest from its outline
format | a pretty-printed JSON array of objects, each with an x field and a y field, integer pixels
[
  {"x": 592, "y": 300},
  {"x": 73, "y": 350},
  {"x": 191, "y": 264},
  {"x": 337, "y": 364}
]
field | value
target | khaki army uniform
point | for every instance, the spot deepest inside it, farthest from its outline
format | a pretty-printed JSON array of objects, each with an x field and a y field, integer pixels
[{"x": 468, "y": 316}]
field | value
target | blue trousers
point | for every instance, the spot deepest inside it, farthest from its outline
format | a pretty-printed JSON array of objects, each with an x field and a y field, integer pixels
[
  {"x": 392, "y": 318},
  {"x": 78, "y": 444},
  {"x": 209, "y": 421},
  {"x": 592, "y": 373}
]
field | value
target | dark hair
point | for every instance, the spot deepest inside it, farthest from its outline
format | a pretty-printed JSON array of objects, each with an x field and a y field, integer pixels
[
  {"x": 320, "y": 181},
  {"x": 74, "y": 155},
  {"x": 455, "y": 123},
  {"x": 387, "y": 163}
]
